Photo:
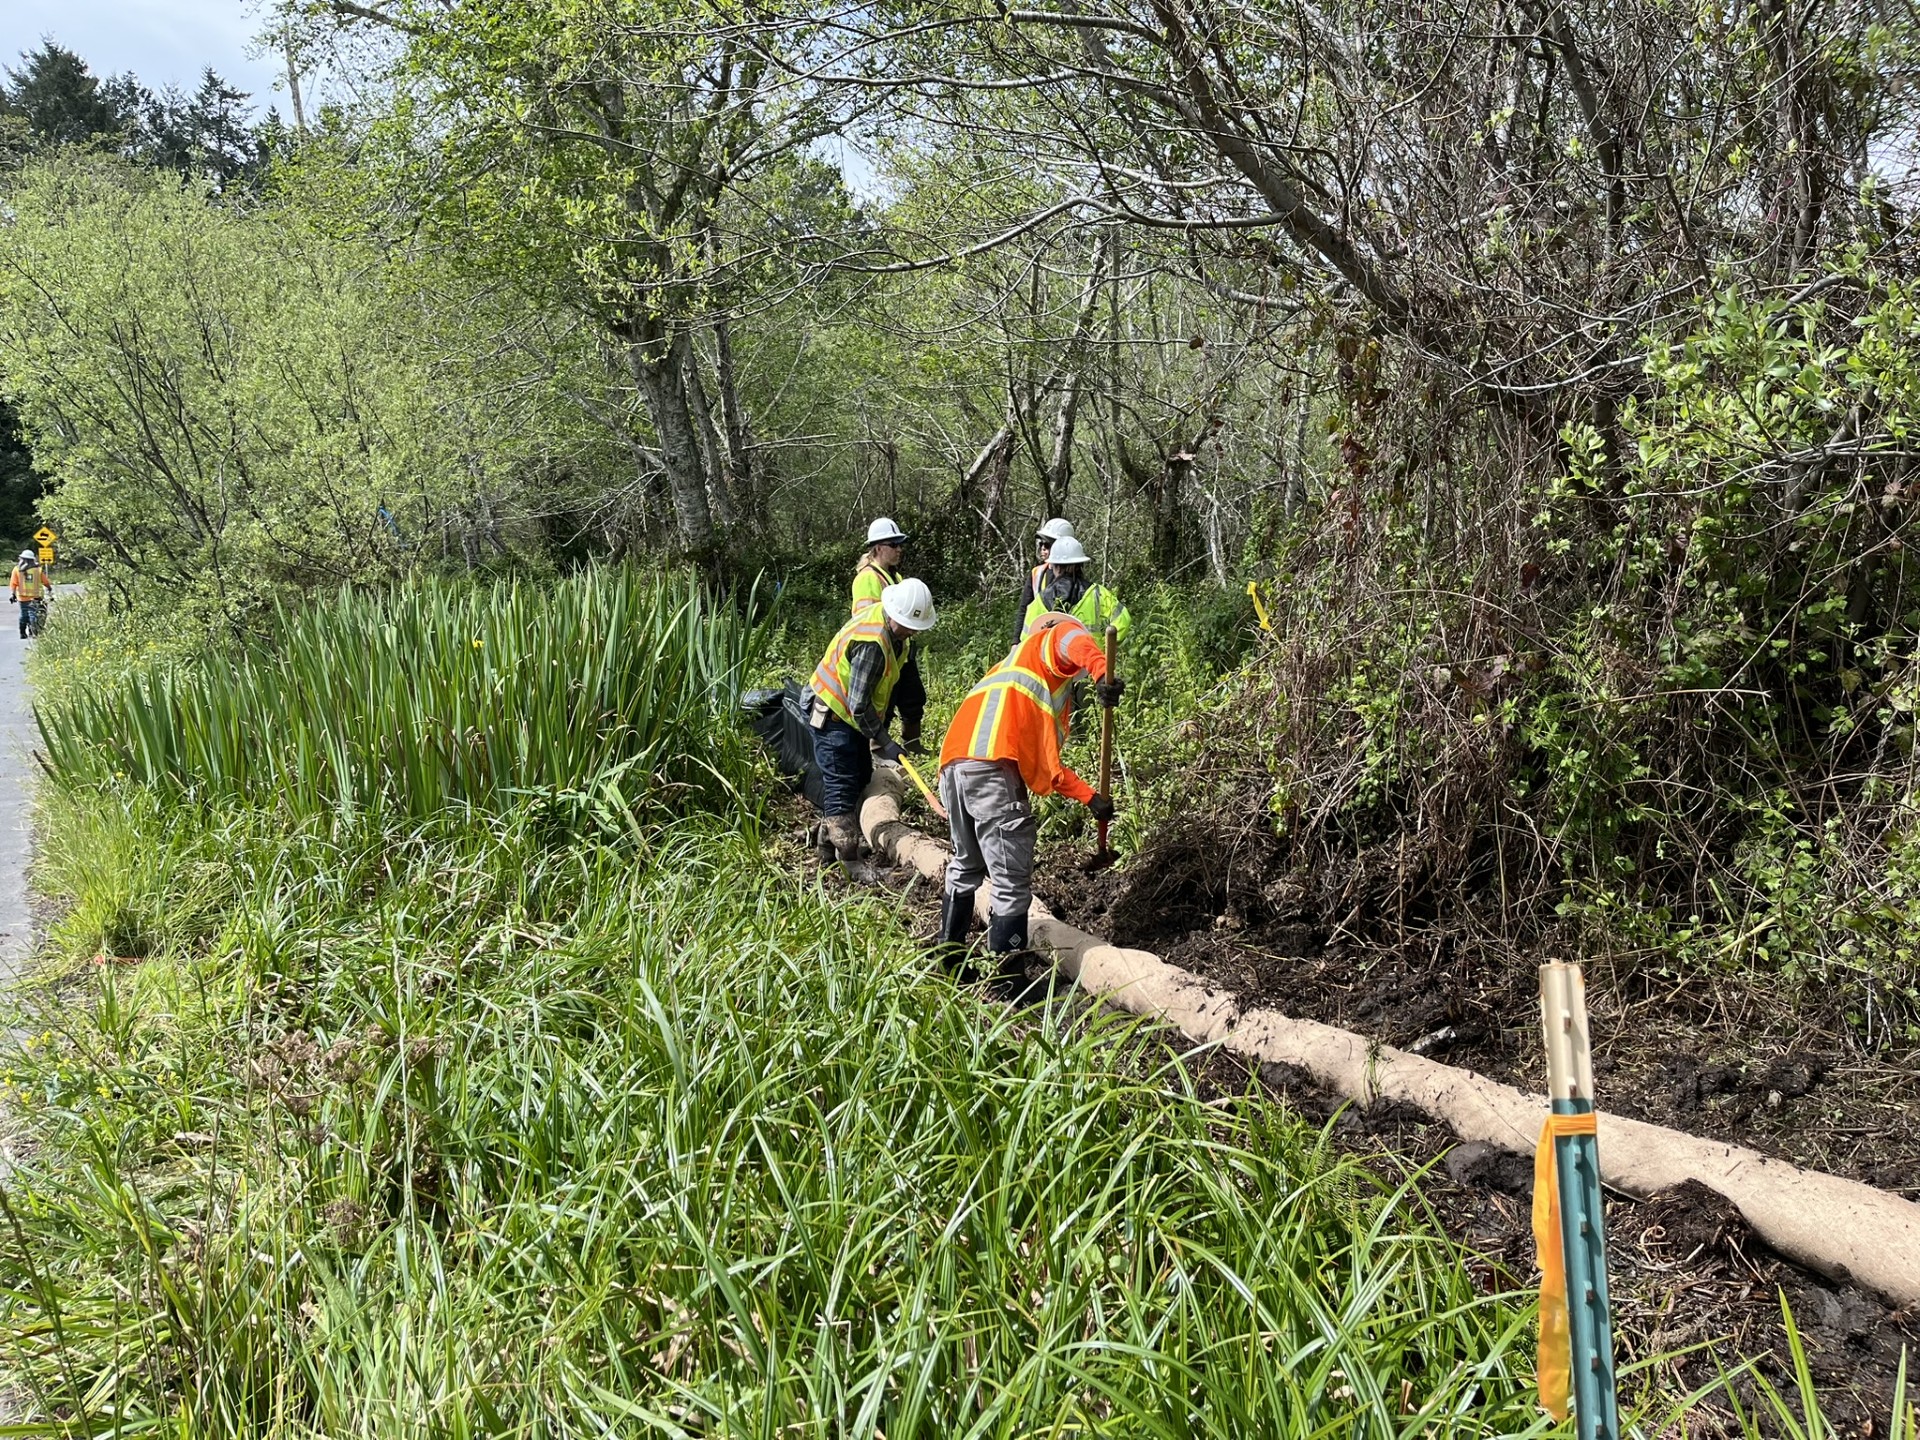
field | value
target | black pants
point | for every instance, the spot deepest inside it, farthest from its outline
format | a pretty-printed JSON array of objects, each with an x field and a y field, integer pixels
[{"x": 909, "y": 699}]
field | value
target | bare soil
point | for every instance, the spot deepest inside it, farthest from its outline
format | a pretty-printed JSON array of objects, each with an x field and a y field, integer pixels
[{"x": 1737, "y": 1056}]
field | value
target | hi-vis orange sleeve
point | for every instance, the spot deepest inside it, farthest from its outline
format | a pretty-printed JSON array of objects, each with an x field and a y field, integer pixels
[{"x": 1555, "y": 1366}]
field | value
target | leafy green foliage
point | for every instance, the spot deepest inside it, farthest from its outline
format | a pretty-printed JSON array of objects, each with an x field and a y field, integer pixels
[{"x": 229, "y": 406}]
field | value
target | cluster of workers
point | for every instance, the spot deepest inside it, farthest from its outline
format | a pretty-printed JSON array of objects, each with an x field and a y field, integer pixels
[
  {"x": 31, "y": 586},
  {"x": 1004, "y": 744}
]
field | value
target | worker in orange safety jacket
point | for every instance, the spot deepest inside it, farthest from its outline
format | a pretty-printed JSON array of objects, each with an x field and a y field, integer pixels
[
  {"x": 30, "y": 585},
  {"x": 1002, "y": 749}
]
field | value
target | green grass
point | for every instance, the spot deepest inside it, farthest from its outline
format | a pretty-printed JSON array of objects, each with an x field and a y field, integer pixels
[{"x": 477, "y": 1136}]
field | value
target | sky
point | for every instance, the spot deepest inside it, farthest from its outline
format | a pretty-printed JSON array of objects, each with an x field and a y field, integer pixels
[{"x": 164, "y": 42}]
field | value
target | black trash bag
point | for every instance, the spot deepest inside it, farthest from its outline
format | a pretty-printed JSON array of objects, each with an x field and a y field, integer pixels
[{"x": 779, "y": 718}]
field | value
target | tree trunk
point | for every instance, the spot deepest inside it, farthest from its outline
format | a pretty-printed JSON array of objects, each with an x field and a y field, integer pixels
[
  {"x": 657, "y": 361},
  {"x": 999, "y": 470},
  {"x": 713, "y": 459},
  {"x": 1060, "y": 465},
  {"x": 734, "y": 416}
]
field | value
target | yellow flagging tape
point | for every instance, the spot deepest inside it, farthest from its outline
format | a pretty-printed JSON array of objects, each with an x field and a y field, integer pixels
[
  {"x": 1253, "y": 589},
  {"x": 1556, "y": 1350}
]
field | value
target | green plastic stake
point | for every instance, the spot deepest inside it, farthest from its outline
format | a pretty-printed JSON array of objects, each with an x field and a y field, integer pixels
[{"x": 1563, "y": 1014}]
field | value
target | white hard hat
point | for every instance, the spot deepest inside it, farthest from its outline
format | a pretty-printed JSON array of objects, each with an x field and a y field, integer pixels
[
  {"x": 1067, "y": 551},
  {"x": 910, "y": 603},
  {"x": 884, "y": 529},
  {"x": 1057, "y": 529},
  {"x": 27, "y": 555}
]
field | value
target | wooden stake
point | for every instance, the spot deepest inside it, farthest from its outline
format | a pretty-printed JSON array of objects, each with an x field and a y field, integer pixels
[{"x": 1104, "y": 852}]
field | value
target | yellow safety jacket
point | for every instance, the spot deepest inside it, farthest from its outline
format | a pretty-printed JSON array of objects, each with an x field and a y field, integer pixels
[
  {"x": 869, "y": 580},
  {"x": 833, "y": 676},
  {"x": 1098, "y": 608}
]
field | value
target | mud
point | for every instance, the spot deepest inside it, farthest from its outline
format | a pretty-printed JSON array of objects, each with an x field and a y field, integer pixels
[{"x": 1684, "y": 1267}]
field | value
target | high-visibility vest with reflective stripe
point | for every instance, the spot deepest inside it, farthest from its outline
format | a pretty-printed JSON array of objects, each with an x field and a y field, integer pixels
[
  {"x": 869, "y": 580},
  {"x": 1096, "y": 609},
  {"x": 30, "y": 582},
  {"x": 833, "y": 677},
  {"x": 1019, "y": 710}
]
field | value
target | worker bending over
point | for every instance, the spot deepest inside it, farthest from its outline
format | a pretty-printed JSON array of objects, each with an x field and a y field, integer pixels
[
  {"x": 1067, "y": 591},
  {"x": 847, "y": 706},
  {"x": 1048, "y": 535},
  {"x": 880, "y": 567},
  {"x": 1002, "y": 749},
  {"x": 30, "y": 583}
]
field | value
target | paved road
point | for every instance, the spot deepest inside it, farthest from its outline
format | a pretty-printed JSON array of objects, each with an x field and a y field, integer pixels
[{"x": 17, "y": 736}]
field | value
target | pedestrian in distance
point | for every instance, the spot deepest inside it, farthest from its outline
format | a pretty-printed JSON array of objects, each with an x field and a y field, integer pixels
[
  {"x": 1049, "y": 534},
  {"x": 846, "y": 707},
  {"x": 880, "y": 567},
  {"x": 30, "y": 586},
  {"x": 1001, "y": 750},
  {"x": 1067, "y": 590}
]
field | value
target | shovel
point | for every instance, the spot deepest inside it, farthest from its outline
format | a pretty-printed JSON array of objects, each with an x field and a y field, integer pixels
[{"x": 1105, "y": 854}]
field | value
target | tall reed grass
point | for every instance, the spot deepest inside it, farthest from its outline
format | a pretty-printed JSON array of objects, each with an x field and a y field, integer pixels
[{"x": 609, "y": 692}]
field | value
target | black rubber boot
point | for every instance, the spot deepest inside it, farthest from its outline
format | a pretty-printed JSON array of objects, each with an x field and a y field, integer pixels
[
  {"x": 957, "y": 916},
  {"x": 956, "y": 919},
  {"x": 1007, "y": 934},
  {"x": 1008, "y": 955}
]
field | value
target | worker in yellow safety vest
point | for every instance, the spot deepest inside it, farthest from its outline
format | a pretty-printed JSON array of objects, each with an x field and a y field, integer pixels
[
  {"x": 30, "y": 585},
  {"x": 880, "y": 567},
  {"x": 1068, "y": 591},
  {"x": 1048, "y": 535},
  {"x": 847, "y": 706}
]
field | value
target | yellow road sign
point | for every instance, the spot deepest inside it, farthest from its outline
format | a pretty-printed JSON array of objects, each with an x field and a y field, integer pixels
[
  {"x": 46, "y": 554},
  {"x": 44, "y": 537}
]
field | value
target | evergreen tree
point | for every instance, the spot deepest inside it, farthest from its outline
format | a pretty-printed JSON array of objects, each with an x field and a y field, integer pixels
[
  {"x": 208, "y": 134},
  {"x": 65, "y": 103}
]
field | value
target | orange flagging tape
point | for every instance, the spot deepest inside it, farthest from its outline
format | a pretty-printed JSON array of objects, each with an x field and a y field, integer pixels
[{"x": 1556, "y": 1353}]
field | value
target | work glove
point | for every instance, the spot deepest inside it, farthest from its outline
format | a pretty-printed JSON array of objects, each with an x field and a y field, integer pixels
[
  {"x": 1102, "y": 807},
  {"x": 890, "y": 750},
  {"x": 1109, "y": 691}
]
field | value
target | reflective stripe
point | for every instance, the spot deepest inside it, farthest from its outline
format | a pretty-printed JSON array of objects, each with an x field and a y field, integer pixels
[
  {"x": 993, "y": 692},
  {"x": 833, "y": 677}
]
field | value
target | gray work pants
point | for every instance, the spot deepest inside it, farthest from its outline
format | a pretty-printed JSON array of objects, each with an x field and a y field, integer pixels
[{"x": 994, "y": 831}]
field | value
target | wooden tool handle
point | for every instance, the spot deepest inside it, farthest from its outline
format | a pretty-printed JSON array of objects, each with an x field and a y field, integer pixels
[{"x": 1106, "y": 731}]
